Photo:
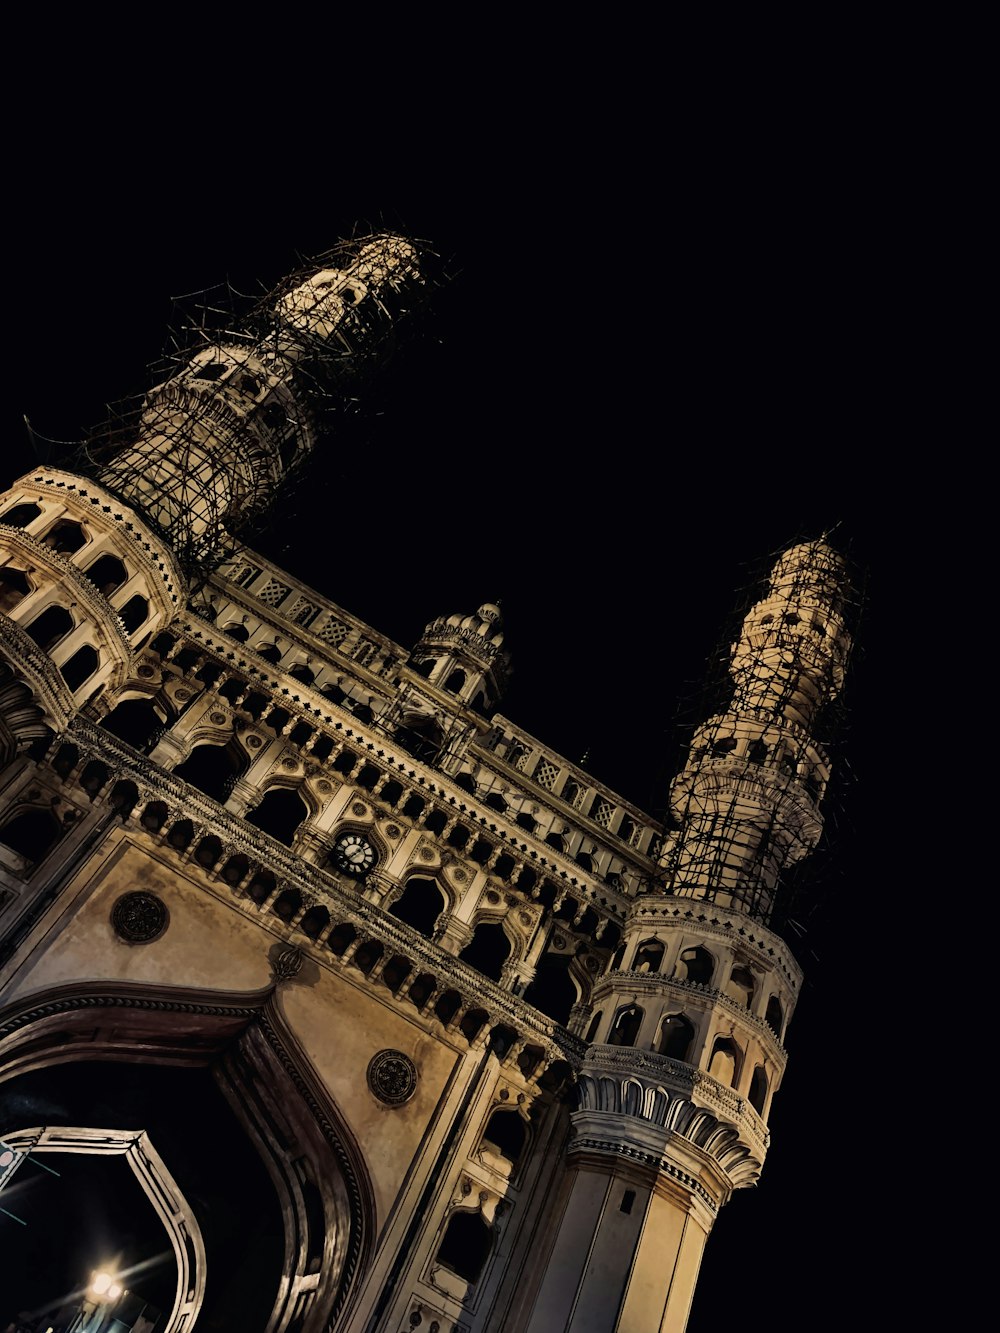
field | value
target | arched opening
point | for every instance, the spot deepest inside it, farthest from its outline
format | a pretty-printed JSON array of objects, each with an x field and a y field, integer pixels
[
  {"x": 94, "y": 776},
  {"x": 420, "y": 736},
  {"x": 466, "y": 782},
  {"x": 465, "y": 1246},
  {"x": 66, "y": 759},
  {"x": 262, "y": 885},
  {"x": 556, "y": 840},
  {"x": 648, "y": 956},
  {"x": 208, "y": 851},
  {"x": 413, "y": 807},
  {"x": 595, "y": 1023},
  {"x": 625, "y": 1027},
  {"x": 49, "y": 627},
  {"x": 180, "y": 835},
  {"x": 676, "y": 1035},
  {"x": 420, "y": 905},
  {"x": 740, "y": 986},
  {"x": 284, "y": 1214},
  {"x": 214, "y": 769},
  {"x": 525, "y": 821},
  {"x": 774, "y": 1016},
  {"x": 529, "y": 1060},
  {"x": 21, "y": 515},
  {"x": 505, "y": 1135},
  {"x": 695, "y": 964},
  {"x": 237, "y": 631},
  {"x": 134, "y": 613},
  {"x": 758, "y": 1090},
  {"x": 80, "y": 667},
  {"x": 124, "y": 798},
  {"x": 395, "y": 972},
  {"x": 447, "y": 1006},
  {"x": 236, "y": 869},
  {"x": 138, "y": 722},
  {"x": 487, "y": 951},
  {"x": 280, "y": 813},
  {"x": 473, "y": 1022},
  {"x": 367, "y": 956},
  {"x": 496, "y": 802},
  {"x": 270, "y": 652},
  {"x": 757, "y": 751},
  {"x": 552, "y": 992},
  {"x": 154, "y": 816},
  {"x": 287, "y": 904},
  {"x": 31, "y": 833},
  {"x": 422, "y": 989},
  {"x": 66, "y": 536},
  {"x": 340, "y": 937},
  {"x": 14, "y": 587},
  {"x": 725, "y": 1062},
  {"x": 301, "y": 672},
  {"x": 315, "y": 921},
  {"x": 455, "y": 682},
  {"x": 106, "y": 574}
]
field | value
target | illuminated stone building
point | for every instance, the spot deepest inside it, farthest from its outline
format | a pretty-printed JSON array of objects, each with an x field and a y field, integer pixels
[{"x": 487, "y": 1047}]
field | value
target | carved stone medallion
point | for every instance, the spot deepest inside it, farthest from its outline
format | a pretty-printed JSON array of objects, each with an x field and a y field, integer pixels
[
  {"x": 392, "y": 1077},
  {"x": 358, "y": 809},
  {"x": 139, "y": 917}
]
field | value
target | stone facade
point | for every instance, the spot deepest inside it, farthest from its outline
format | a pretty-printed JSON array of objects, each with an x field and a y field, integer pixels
[{"x": 504, "y": 1043}]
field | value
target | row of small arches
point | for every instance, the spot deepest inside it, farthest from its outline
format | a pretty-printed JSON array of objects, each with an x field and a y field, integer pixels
[
  {"x": 674, "y": 1039},
  {"x": 698, "y": 965}
]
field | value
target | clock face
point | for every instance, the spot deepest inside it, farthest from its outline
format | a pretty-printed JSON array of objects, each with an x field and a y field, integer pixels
[{"x": 353, "y": 854}]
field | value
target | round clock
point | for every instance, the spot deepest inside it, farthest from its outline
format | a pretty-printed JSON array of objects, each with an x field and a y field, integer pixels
[{"x": 353, "y": 854}]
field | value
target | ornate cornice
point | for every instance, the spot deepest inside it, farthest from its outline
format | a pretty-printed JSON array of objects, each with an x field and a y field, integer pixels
[{"x": 644, "y": 1087}]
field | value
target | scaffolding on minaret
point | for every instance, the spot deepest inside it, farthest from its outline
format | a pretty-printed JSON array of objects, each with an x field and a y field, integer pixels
[
  {"x": 247, "y": 388},
  {"x": 744, "y": 811}
]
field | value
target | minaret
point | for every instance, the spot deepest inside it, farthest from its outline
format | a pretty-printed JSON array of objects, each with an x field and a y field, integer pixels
[
  {"x": 688, "y": 1023},
  {"x": 219, "y": 438},
  {"x": 93, "y": 565}
]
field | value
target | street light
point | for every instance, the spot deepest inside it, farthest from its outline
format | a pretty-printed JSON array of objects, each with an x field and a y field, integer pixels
[
  {"x": 103, "y": 1291},
  {"x": 104, "y": 1288}
]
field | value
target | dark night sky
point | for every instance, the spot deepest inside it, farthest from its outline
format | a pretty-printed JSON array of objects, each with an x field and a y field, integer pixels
[{"x": 657, "y": 366}]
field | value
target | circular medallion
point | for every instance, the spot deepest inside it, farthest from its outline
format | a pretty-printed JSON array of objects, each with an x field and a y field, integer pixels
[
  {"x": 426, "y": 854},
  {"x": 391, "y": 831},
  {"x": 460, "y": 877},
  {"x": 217, "y": 718},
  {"x": 254, "y": 742},
  {"x": 139, "y": 917},
  {"x": 358, "y": 809},
  {"x": 392, "y": 1077},
  {"x": 182, "y": 695},
  {"x": 145, "y": 671},
  {"x": 324, "y": 786}
]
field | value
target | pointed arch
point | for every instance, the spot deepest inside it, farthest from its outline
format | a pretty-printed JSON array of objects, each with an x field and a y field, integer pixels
[{"x": 323, "y": 1188}]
